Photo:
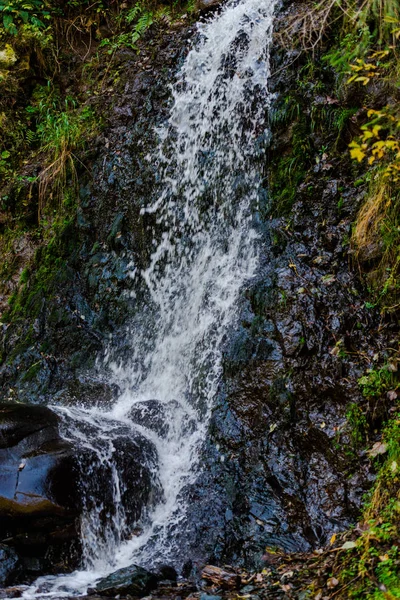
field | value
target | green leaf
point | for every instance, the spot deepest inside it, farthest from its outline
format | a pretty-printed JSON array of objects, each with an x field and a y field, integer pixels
[
  {"x": 7, "y": 21},
  {"x": 37, "y": 22},
  {"x": 9, "y": 25}
]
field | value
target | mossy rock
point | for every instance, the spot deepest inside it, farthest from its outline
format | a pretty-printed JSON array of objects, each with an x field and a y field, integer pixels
[{"x": 7, "y": 57}]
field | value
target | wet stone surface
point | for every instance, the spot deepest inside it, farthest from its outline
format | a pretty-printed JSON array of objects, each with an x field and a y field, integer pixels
[
  {"x": 39, "y": 500},
  {"x": 9, "y": 563}
]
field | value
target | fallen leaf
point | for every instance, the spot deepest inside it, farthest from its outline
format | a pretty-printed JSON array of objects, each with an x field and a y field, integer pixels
[
  {"x": 332, "y": 582},
  {"x": 363, "y": 527},
  {"x": 319, "y": 260},
  {"x": 378, "y": 448},
  {"x": 392, "y": 395},
  {"x": 349, "y": 545},
  {"x": 286, "y": 587},
  {"x": 328, "y": 279},
  {"x": 287, "y": 575},
  {"x": 384, "y": 557},
  {"x": 333, "y": 539}
]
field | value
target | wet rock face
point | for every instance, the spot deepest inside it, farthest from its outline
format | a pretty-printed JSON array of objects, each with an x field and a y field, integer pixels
[
  {"x": 39, "y": 502},
  {"x": 282, "y": 469},
  {"x": 9, "y": 564},
  {"x": 66, "y": 327}
]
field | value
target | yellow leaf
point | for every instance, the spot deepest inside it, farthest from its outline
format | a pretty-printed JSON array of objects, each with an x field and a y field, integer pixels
[
  {"x": 380, "y": 54},
  {"x": 369, "y": 66},
  {"x": 357, "y": 154},
  {"x": 367, "y": 135},
  {"x": 379, "y": 145},
  {"x": 333, "y": 539},
  {"x": 364, "y": 80}
]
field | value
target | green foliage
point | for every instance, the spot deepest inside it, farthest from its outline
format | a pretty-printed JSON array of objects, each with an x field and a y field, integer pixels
[
  {"x": 61, "y": 128},
  {"x": 17, "y": 12},
  {"x": 348, "y": 48},
  {"x": 358, "y": 425},
  {"x": 377, "y": 381},
  {"x": 134, "y": 22},
  {"x": 341, "y": 119},
  {"x": 59, "y": 123},
  {"x": 4, "y": 163},
  {"x": 367, "y": 57},
  {"x": 288, "y": 171},
  {"x": 367, "y": 566},
  {"x": 377, "y": 561}
]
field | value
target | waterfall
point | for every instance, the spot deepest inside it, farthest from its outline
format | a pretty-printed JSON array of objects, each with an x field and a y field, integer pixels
[{"x": 209, "y": 163}]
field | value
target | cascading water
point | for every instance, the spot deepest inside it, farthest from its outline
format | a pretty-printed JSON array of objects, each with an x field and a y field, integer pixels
[{"x": 209, "y": 165}]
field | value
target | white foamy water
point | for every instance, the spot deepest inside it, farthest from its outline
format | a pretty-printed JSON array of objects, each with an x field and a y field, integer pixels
[{"x": 209, "y": 166}]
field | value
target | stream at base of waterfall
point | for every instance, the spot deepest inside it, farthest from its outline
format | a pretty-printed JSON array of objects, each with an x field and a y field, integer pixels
[{"x": 205, "y": 250}]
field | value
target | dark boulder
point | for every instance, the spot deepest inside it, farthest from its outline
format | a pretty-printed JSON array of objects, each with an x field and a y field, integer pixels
[
  {"x": 44, "y": 486},
  {"x": 133, "y": 580},
  {"x": 38, "y": 483},
  {"x": 133, "y": 459}
]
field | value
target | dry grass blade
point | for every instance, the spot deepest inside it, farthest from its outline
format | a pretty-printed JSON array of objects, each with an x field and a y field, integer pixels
[
  {"x": 366, "y": 234},
  {"x": 53, "y": 181},
  {"x": 309, "y": 24}
]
